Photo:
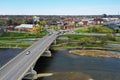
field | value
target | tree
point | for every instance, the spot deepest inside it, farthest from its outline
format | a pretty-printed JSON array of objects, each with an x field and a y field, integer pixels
[
  {"x": 10, "y": 22},
  {"x": 3, "y": 22},
  {"x": 104, "y": 15},
  {"x": 54, "y": 27},
  {"x": 76, "y": 24},
  {"x": 43, "y": 23},
  {"x": 38, "y": 30},
  {"x": 83, "y": 42},
  {"x": 103, "y": 40},
  {"x": 26, "y": 35},
  {"x": 111, "y": 37}
]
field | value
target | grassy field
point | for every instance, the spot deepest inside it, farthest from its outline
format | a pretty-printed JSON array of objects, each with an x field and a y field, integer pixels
[
  {"x": 77, "y": 37},
  {"x": 95, "y": 29},
  {"x": 21, "y": 35},
  {"x": 19, "y": 40}
]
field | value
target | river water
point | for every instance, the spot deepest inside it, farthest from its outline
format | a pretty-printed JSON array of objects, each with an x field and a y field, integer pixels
[
  {"x": 65, "y": 66},
  {"x": 7, "y": 54}
]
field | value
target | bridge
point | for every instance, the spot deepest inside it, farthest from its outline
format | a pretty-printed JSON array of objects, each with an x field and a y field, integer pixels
[{"x": 22, "y": 65}]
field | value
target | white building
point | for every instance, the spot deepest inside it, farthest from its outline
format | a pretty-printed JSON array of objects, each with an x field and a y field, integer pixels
[{"x": 25, "y": 27}]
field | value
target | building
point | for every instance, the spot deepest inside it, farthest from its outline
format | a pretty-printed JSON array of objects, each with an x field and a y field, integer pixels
[
  {"x": 25, "y": 27},
  {"x": 113, "y": 25},
  {"x": 98, "y": 21},
  {"x": 10, "y": 28},
  {"x": 67, "y": 24}
]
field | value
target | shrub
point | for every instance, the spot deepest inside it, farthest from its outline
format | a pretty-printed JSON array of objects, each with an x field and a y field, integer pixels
[
  {"x": 11, "y": 35},
  {"x": 111, "y": 37},
  {"x": 84, "y": 41},
  {"x": 26, "y": 35}
]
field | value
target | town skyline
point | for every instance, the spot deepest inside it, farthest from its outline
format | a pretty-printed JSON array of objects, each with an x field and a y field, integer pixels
[{"x": 59, "y": 7}]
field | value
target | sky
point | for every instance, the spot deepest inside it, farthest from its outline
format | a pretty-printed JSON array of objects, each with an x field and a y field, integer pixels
[{"x": 59, "y": 7}]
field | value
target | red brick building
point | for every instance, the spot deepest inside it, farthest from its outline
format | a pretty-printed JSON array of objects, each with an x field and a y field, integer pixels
[
  {"x": 68, "y": 24},
  {"x": 98, "y": 21}
]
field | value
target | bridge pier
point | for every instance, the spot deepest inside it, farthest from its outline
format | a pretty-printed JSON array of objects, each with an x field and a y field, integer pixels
[
  {"x": 31, "y": 74},
  {"x": 54, "y": 42},
  {"x": 47, "y": 53}
]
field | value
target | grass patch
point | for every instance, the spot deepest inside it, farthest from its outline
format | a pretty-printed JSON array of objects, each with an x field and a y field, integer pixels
[
  {"x": 95, "y": 53},
  {"x": 95, "y": 29},
  {"x": 20, "y": 40},
  {"x": 21, "y": 35}
]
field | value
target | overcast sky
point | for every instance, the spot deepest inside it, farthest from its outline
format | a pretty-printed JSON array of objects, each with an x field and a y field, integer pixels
[{"x": 59, "y": 7}]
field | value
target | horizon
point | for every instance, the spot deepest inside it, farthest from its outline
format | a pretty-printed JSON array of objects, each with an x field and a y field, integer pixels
[{"x": 59, "y": 7}]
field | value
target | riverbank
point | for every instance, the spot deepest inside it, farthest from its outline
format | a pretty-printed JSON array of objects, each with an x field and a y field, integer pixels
[
  {"x": 65, "y": 46},
  {"x": 95, "y": 53}
]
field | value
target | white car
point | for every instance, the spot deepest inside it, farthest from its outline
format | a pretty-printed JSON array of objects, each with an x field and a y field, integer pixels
[{"x": 28, "y": 52}]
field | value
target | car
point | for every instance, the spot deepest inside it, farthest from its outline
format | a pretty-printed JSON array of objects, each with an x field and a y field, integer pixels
[
  {"x": 50, "y": 34},
  {"x": 28, "y": 52}
]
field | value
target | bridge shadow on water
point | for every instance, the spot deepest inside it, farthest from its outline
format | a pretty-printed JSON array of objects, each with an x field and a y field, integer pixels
[{"x": 43, "y": 63}]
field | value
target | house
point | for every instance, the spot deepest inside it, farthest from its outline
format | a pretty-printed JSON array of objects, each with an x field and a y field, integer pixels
[
  {"x": 113, "y": 25},
  {"x": 66, "y": 27},
  {"x": 117, "y": 28},
  {"x": 68, "y": 24},
  {"x": 10, "y": 28},
  {"x": 87, "y": 21},
  {"x": 111, "y": 19},
  {"x": 98, "y": 21}
]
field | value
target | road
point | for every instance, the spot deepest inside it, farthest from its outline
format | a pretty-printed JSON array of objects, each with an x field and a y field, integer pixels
[
  {"x": 18, "y": 66},
  {"x": 113, "y": 45}
]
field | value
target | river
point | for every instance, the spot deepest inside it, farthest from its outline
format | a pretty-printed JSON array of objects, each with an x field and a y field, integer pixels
[
  {"x": 65, "y": 66},
  {"x": 7, "y": 54}
]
